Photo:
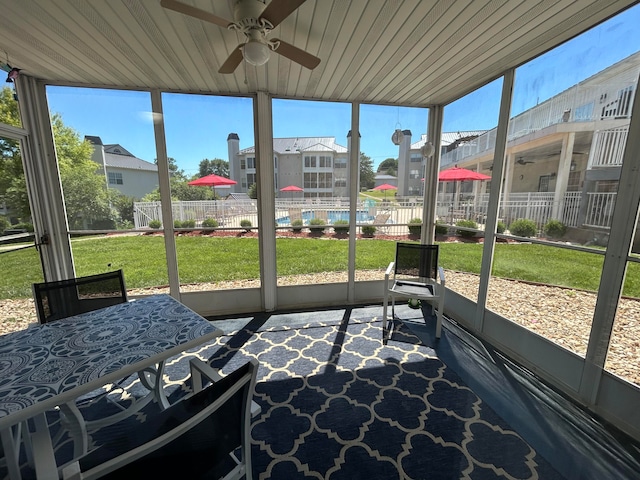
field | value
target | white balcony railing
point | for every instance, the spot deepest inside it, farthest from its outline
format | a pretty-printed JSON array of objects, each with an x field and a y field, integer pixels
[{"x": 607, "y": 148}]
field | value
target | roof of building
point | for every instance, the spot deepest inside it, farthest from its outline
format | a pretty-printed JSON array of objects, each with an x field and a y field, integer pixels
[
  {"x": 301, "y": 144},
  {"x": 131, "y": 163},
  {"x": 119, "y": 157},
  {"x": 448, "y": 137},
  {"x": 384, "y": 176}
]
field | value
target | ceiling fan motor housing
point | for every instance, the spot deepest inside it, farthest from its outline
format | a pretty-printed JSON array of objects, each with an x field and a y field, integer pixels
[{"x": 246, "y": 14}]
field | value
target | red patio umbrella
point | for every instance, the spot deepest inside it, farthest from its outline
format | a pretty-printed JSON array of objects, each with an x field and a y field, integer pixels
[
  {"x": 457, "y": 174},
  {"x": 212, "y": 180},
  {"x": 291, "y": 188},
  {"x": 384, "y": 187}
]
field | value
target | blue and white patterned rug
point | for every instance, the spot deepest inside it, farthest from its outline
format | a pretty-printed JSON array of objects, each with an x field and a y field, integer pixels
[{"x": 338, "y": 404}]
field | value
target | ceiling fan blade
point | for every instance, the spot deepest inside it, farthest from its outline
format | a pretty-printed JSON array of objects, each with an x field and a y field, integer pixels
[
  {"x": 297, "y": 55},
  {"x": 194, "y": 12},
  {"x": 230, "y": 65},
  {"x": 278, "y": 10}
]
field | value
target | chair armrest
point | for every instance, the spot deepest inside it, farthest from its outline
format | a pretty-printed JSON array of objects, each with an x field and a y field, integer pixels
[
  {"x": 198, "y": 370},
  {"x": 387, "y": 274},
  {"x": 72, "y": 471},
  {"x": 441, "y": 273},
  {"x": 389, "y": 270}
]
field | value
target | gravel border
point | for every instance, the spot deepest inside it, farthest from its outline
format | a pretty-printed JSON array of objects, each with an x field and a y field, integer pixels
[{"x": 559, "y": 314}]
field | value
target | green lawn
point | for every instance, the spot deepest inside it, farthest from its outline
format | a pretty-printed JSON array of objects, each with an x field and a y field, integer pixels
[{"x": 211, "y": 259}]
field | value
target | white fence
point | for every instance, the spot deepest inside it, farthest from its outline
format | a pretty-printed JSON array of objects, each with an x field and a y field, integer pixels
[{"x": 536, "y": 206}]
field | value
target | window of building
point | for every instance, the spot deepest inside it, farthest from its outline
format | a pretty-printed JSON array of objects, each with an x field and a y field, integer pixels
[
  {"x": 310, "y": 180},
  {"x": 325, "y": 180},
  {"x": 251, "y": 179},
  {"x": 309, "y": 162},
  {"x": 325, "y": 161},
  {"x": 583, "y": 113},
  {"x": 115, "y": 178},
  {"x": 543, "y": 183},
  {"x": 340, "y": 163},
  {"x": 340, "y": 182},
  {"x": 243, "y": 164},
  {"x": 414, "y": 173},
  {"x": 415, "y": 158},
  {"x": 251, "y": 162},
  {"x": 573, "y": 183}
]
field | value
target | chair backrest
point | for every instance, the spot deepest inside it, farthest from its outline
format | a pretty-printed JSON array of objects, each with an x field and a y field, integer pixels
[
  {"x": 65, "y": 298},
  {"x": 416, "y": 260},
  {"x": 191, "y": 439},
  {"x": 381, "y": 218}
]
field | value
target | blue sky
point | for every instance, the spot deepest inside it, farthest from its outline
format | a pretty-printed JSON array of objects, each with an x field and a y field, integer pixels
[{"x": 197, "y": 126}]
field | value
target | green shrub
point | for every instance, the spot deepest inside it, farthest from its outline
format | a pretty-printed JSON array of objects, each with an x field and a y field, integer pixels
[
  {"x": 501, "y": 227},
  {"x": 246, "y": 223},
  {"x": 4, "y": 224},
  {"x": 155, "y": 224},
  {"x": 523, "y": 227},
  {"x": 466, "y": 224},
  {"x": 317, "y": 225},
  {"x": 555, "y": 229},
  {"x": 24, "y": 226},
  {"x": 369, "y": 230},
  {"x": 341, "y": 226},
  {"x": 296, "y": 225},
  {"x": 209, "y": 223},
  {"x": 189, "y": 224},
  {"x": 177, "y": 224},
  {"x": 415, "y": 226},
  {"x": 441, "y": 229}
]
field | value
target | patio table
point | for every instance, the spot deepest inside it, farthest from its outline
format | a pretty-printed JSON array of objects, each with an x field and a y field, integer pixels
[{"x": 52, "y": 365}]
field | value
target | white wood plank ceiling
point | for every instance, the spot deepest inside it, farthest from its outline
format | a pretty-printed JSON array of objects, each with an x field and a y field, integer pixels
[{"x": 408, "y": 52}]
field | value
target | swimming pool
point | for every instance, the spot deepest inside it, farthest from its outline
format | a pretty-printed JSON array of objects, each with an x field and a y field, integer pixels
[{"x": 332, "y": 216}]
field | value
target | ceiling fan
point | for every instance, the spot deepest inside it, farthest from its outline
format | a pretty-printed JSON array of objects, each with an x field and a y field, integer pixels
[
  {"x": 522, "y": 161},
  {"x": 256, "y": 20}
]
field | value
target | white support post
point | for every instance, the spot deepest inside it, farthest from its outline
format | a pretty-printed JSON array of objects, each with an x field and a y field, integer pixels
[
  {"x": 494, "y": 196},
  {"x": 266, "y": 199},
  {"x": 165, "y": 194}
]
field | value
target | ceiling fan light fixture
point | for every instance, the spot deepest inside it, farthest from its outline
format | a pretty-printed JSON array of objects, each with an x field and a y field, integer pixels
[{"x": 256, "y": 52}]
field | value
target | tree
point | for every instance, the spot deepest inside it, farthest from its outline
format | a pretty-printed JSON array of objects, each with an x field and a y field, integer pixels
[
  {"x": 216, "y": 166},
  {"x": 389, "y": 166},
  {"x": 13, "y": 191},
  {"x": 85, "y": 191},
  {"x": 367, "y": 177},
  {"x": 181, "y": 190},
  {"x": 253, "y": 191}
]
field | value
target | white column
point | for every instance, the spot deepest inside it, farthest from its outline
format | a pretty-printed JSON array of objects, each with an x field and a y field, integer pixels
[
  {"x": 562, "y": 179},
  {"x": 43, "y": 179},
  {"x": 432, "y": 166},
  {"x": 165, "y": 194},
  {"x": 494, "y": 197},
  {"x": 266, "y": 199}
]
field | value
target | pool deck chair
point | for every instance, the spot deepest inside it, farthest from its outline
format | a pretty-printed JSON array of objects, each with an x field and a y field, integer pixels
[{"x": 415, "y": 274}]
